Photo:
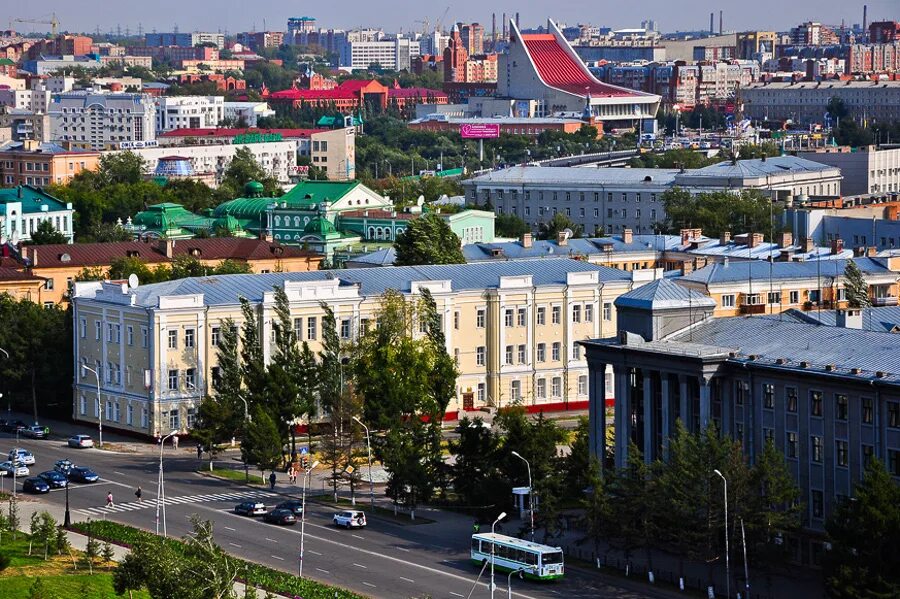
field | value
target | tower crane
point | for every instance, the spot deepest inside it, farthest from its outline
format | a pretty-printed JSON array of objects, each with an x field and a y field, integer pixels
[{"x": 53, "y": 22}]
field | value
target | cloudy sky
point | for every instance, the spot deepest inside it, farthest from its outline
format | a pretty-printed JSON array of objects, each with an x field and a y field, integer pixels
[{"x": 235, "y": 15}]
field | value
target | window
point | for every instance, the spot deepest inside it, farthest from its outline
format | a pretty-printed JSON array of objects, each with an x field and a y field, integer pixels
[
  {"x": 768, "y": 396},
  {"x": 555, "y": 350},
  {"x": 173, "y": 339},
  {"x": 739, "y": 392},
  {"x": 556, "y": 387},
  {"x": 791, "y": 448},
  {"x": 82, "y": 328},
  {"x": 589, "y": 313},
  {"x": 129, "y": 334},
  {"x": 174, "y": 420},
  {"x": 893, "y": 414},
  {"x": 815, "y": 448},
  {"x": 509, "y": 354},
  {"x": 556, "y": 314},
  {"x": 191, "y": 417},
  {"x": 311, "y": 327},
  {"x": 728, "y": 301},
  {"x": 815, "y": 403},
  {"x": 189, "y": 337},
  {"x": 190, "y": 378},
  {"x": 82, "y": 405},
  {"x": 345, "y": 328},
  {"x": 576, "y": 313},
  {"x": 840, "y": 453},
  {"x": 482, "y": 395},
  {"x": 841, "y": 407},
  {"x": 817, "y": 504},
  {"x": 868, "y": 451},
  {"x": 790, "y": 396},
  {"x": 298, "y": 329},
  {"x": 508, "y": 318},
  {"x": 520, "y": 317},
  {"x": 752, "y": 299},
  {"x": 868, "y": 410},
  {"x": 607, "y": 311},
  {"x": 97, "y": 330},
  {"x": 521, "y": 352},
  {"x": 515, "y": 390},
  {"x": 768, "y": 435},
  {"x": 541, "y": 352},
  {"x": 214, "y": 336},
  {"x": 173, "y": 380},
  {"x": 456, "y": 320},
  {"x": 145, "y": 417},
  {"x": 541, "y": 389},
  {"x": 145, "y": 337},
  {"x": 582, "y": 385},
  {"x": 479, "y": 318},
  {"x": 576, "y": 352},
  {"x": 774, "y": 297},
  {"x": 794, "y": 297},
  {"x": 479, "y": 355}
]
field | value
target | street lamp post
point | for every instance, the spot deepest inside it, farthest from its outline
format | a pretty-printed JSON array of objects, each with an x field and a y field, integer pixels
[
  {"x": 67, "y": 520},
  {"x": 99, "y": 404},
  {"x": 494, "y": 544},
  {"x": 303, "y": 513},
  {"x": 161, "y": 487},
  {"x": 509, "y": 581},
  {"x": 369, "y": 449},
  {"x": 246, "y": 419},
  {"x": 727, "y": 559},
  {"x": 530, "y": 492}
]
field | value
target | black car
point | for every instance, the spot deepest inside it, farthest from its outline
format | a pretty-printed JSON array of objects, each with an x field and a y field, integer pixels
[
  {"x": 82, "y": 474},
  {"x": 250, "y": 508},
  {"x": 294, "y": 505},
  {"x": 35, "y": 485},
  {"x": 280, "y": 516},
  {"x": 54, "y": 478},
  {"x": 11, "y": 426}
]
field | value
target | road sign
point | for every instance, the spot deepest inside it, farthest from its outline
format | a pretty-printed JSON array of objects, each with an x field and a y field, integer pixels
[{"x": 304, "y": 450}]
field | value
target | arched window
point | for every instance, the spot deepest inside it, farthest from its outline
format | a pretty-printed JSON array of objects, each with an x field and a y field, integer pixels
[
  {"x": 371, "y": 232},
  {"x": 277, "y": 221}
]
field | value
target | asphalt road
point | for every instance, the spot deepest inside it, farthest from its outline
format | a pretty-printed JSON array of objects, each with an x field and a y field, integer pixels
[{"x": 385, "y": 559}]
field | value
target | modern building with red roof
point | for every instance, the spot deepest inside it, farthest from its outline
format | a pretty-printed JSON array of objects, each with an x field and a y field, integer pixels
[
  {"x": 353, "y": 93},
  {"x": 543, "y": 69}
]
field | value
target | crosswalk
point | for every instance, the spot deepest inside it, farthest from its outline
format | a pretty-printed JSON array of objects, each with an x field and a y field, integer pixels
[{"x": 151, "y": 503}]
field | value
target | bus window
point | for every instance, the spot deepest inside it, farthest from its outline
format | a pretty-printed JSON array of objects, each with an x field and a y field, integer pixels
[
  {"x": 552, "y": 558},
  {"x": 476, "y": 545}
]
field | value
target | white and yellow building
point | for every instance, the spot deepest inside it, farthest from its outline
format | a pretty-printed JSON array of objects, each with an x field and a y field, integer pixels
[{"x": 511, "y": 326}]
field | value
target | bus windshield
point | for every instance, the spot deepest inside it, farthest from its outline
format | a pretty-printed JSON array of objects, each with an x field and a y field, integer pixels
[{"x": 552, "y": 558}]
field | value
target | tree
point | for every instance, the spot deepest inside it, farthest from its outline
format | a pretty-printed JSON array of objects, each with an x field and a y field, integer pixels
[
  {"x": 47, "y": 532},
  {"x": 91, "y": 552},
  {"x": 598, "y": 514},
  {"x": 122, "y": 167},
  {"x": 428, "y": 240},
  {"x": 107, "y": 553},
  {"x": 211, "y": 571},
  {"x": 864, "y": 560},
  {"x": 46, "y": 234},
  {"x": 773, "y": 508},
  {"x": 339, "y": 435},
  {"x": 262, "y": 443},
  {"x": 578, "y": 464},
  {"x": 38, "y": 590},
  {"x": 253, "y": 365},
  {"x": 108, "y": 232},
  {"x": 855, "y": 286},
  {"x": 283, "y": 394},
  {"x": 474, "y": 474},
  {"x": 242, "y": 169},
  {"x": 559, "y": 223},
  {"x": 12, "y": 520},
  {"x": 719, "y": 211},
  {"x": 510, "y": 225}
]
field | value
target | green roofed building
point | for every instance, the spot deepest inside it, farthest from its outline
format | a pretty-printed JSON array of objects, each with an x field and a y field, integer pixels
[{"x": 23, "y": 208}]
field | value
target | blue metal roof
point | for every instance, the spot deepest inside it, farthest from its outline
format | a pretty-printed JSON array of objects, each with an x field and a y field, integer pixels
[
  {"x": 662, "y": 294},
  {"x": 758, "y": 270},
  {"x": 227, "y": 289},
  {"x": 884, "y": 319},
  {"x": 757, "y": 167}
]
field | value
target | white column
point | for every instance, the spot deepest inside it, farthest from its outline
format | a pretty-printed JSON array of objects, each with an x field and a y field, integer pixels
[
  {"x": 705, "y": 404},
  {"x": 622, "y": 415},
  {"x": 648, "y": 417},
  {"x": 665, "y": 402}
]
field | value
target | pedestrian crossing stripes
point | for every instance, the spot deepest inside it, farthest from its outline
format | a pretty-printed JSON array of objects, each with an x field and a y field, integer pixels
[{"x": 151, "y": 503}]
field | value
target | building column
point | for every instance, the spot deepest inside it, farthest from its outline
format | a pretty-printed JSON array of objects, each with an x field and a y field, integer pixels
[
  {"x": 622, "y": 415},
  {"x": 665, "y": 404},
  {"x": 683, "y": 403},
  {"x": 705, "y": 403},
  {"x": 726, "y": 401},
  {"x": 597, "y": 412},
  {"x": 648, "y": 416}
]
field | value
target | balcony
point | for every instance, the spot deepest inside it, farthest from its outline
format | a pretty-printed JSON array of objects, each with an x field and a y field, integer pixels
[
  {"x": 753, "y": 308},
  {"x": 887, "y": 300}
]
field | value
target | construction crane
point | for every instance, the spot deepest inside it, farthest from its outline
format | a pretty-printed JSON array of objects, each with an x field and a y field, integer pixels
[
  {"x": 438, "y": 25},
  {"x": 53, "y": 22},
  {"x": 424, "y": 23}
]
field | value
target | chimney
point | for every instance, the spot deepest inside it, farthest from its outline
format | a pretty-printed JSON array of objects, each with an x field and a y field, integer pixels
[
  {"x": 166, "y": 247},
  {"x": 687, "y": 267},
  {"x": 562, "y": 238},
  {"x": 504, "y": 25},
  {"x": 627, "y": 236},
  {"x": 808, "y": 245},
  {"x": 517, "y": 19},
  {"x": 785, "y": 239},
  {"x": 712, "y": 16},
  {"x": 871, "y": 251},
  {"x": 837, "y": 246},
  {"x": 725, "y": 238},
  {"x": 851, "y": 318},
  {"x": 493, "y": 27},
  {"x": 686, "y": 234},
  {"x": 755, "y": 239},
  {"x": 720, "y": 23},
  {"x": 865, "y": 20},
  {"x": 34, "y": 256},
  {"x": 265, "y": 235},
  {"x": 527, "y": 240}
]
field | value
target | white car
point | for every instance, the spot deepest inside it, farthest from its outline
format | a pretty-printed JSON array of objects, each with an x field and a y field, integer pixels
[
  {"x": 80, "y": 441},
  {"x": 21, "y": 455},
  {"x": 350, "y": 519},
  {"x": 17, "y": 469}
]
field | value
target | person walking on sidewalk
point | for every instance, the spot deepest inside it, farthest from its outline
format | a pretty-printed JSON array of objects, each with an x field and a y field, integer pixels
[
  {"x": 272, "y": 480},
  {"x": 175, "y": 442},
  {"x": 109, "y": 499},
  {"x": 199, "y": 451},
  {"x": 138, "y": 494}
]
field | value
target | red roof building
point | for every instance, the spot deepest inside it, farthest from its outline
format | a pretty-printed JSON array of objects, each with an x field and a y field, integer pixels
[{"x": 353, "y": 93}]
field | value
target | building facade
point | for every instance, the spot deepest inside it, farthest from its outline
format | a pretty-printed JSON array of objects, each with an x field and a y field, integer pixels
[
  {"x": 101, "y": 121},
  {"x": 806, "y": 102},
  {"x": 189, "y": 112},
  {"x": 39, "y": 165},
  {"x": 23, "y": 208},
  {"x": 866, "y": 170},
  {"x": 185, "y": 40}
]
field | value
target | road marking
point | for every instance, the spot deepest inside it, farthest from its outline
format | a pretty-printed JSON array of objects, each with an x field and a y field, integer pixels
[
  {"x": 235, "y": 545},
  {"x": 456, "y": 594},
  {"x": 404, "y": 549},
  {"x": 409, "y": 580},
  {"x": 270, "y": 540},
  {"x": 321, "y": 570},
  {"x": 229, "y": 528},
  {"x": 369, "y": 584},
  {"x": 119, "y": 473},
  {"x": 360, "y": 565},
  {"x": 314, "y": 552},
  {"x": 276, "y": 557},
  {"x": 359, "y": 537}
]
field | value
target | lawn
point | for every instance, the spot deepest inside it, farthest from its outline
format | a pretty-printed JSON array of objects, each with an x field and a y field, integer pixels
[{"x": 232, "y": 474}]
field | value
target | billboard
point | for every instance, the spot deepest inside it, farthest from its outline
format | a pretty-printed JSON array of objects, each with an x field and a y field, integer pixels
[{"x": 479, "y": 131}]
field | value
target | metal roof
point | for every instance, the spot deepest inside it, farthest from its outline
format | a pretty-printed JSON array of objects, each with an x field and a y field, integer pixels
[
  {"x": 530, "y": 175},
  {"x": 662, "y": 294},
  {"x": 731, "y": 272},
  {"x": 758, "y": 167},
  {"x": 883, "y": 319}
]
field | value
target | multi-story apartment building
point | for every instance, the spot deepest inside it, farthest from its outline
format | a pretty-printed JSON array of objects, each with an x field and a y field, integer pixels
[
  {"x": 33, "y": 163},
  {"x": 85, "y": 120},
  {"x": 185, "y": 40},
  {"x": 806, "y": 101},
  {"x": 813, "y": 34},
  {"x": 511, "y": 327},
  {"x": 826, "y": 396},
  {"x": 259, "y": 40},
  {"x": 23, "y": 208},
  {"x": 610, "y": 200},
  {"x": 392, "y": 54},
  {"x": 247, "y": 114},
  {"x": 472, "y": 37},
  {"x": 866, "y": 169},
  {"x": 189, "y": 112}
]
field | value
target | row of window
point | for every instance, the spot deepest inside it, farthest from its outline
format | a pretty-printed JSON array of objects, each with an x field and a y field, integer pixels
[
  {"x": 114, "y": 333},
  {"x": 816, "y": 404},
  {"x": 621, "y": 213},
  {"x": 499, "y": 194},
  {"x": 774, "y": 297},
  {"x": 519, "y": 354}
]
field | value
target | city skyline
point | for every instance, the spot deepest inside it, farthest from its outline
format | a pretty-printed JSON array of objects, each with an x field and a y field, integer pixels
[{"x": 226, "y": 15}]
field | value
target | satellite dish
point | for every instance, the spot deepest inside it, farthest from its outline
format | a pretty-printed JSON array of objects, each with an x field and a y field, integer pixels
[
  {"x": 133, "y": 281},
  {"x": 568, "y": 233}
]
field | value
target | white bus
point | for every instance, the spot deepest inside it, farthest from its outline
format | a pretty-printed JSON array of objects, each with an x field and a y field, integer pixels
[{"x": 536, "y": 561}]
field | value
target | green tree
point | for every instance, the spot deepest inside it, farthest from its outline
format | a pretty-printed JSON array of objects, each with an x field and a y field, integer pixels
[
  {"x": 38, "y": 590},
  {"x": 510, "y": 225},
  {"x": 598, "y": 513},
  {"x": 107, "y": 232},
  {"x": 232, "y": 267},
  {"x": 330, "y": 371},
  {"x": 242, "y": 169},
  {"x": 46, "y": 234},
  {"x": 262, "y": 443},
  {"x": 184, "y": 266},
  {"x": 253, "y": 365},
  {"x": 211, "y": 571},
  {"x": 578, "y": 464},
  {"x": 559, "y": 223},
  {"x": 122, "y": 167},
  {"x": 773, "y": 507},
  {"x": 428, "y": 240},
  {"x": 12, "y": 518},
  {"x": 855, "y": 286},
  {"x": 475, "y": 474},
  {"x": 864, "y": 560},
  {"x": 91, "y": 553},
  {"x": 284, "y": 374},
  {"x": 719, "y": 211}
]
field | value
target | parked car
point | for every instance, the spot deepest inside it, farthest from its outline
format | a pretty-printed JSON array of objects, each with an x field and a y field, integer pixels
[
  {"x": 15, "y": 468},
  {"x": 280, "y": 516},
  {"x": 350, "y": 519},
  {"x": 21, "y": 455},
  {"x": 36, "y": 432},
  {"x": 83, "y": 474},
  {"x": 35, "y": 485},
  {"x": 80, "y": 441},
  {"x": 55, "y": 479},
  {"x": 63, "y": 466},
  {"x": 12, "y": 426},
  {"x": 250, "y": 508},
  {"x": 294, "y": 505}
]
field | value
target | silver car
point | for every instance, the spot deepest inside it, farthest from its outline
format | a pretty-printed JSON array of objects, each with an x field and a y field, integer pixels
[{"x": 15, "y": 469}]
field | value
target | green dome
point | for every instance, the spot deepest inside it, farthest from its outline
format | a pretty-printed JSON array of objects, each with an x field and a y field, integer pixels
[
  {"x": 228, "y": 223},
  {"x": 253, "y": 189},
  {"x": 319, "y": 226},
  {"x": 244, "y": 208}
]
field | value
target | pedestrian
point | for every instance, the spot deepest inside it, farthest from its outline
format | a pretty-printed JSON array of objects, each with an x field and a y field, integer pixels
[
  {"x": 291, "y": 474},
  {"x": 138, "y": 494},
  {"x": 109, "y": 500},
  {"x": 272, "y": 480},
  {"x": 476, "y": 527},
  {"x": 199, "y": 451},
  {"x": 175, "y": 441}
]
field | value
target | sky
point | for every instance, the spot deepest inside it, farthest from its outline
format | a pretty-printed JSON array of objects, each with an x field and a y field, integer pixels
[{"x": 240, "y": 15}]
